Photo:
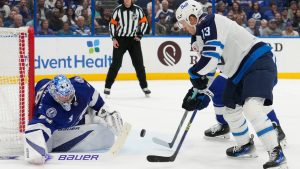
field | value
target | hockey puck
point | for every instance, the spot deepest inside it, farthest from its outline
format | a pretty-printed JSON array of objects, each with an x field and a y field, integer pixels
[{"x": 143, "y": 133}]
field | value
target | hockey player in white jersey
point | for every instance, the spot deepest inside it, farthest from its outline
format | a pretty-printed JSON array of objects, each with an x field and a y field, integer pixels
[
  {"x": 220, "y": 131},
  {"x": 251, "y": 72},
  {"x": 69, "y": 116}
]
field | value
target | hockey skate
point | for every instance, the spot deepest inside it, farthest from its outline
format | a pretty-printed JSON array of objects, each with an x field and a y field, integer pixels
[
  {"x": 106, "y": 92},
  {"x": 218, "y": 132},
  {"x": 277, "y": 159},
  {"x": 147, "y": 92},
  {"x": 281, "y": 135},
  {"x": 244, "y": 151}
]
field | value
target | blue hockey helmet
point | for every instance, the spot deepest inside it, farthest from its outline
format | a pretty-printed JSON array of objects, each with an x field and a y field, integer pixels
[{"x": 62, "y": 90}]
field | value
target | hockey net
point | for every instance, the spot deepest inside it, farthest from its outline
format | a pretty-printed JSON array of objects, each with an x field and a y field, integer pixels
[{"x": 16, "y": 87}]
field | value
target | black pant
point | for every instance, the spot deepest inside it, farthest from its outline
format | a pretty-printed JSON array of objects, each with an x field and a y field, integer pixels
[{"x": 135, "y": 52}]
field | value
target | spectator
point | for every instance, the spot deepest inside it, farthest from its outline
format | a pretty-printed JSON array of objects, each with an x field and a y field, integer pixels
[
  {"x": 18, "y": 21},
  {"x": 42, "y": 11},
  {"x": 165, "y": 11},
  {"x": 50, "y": 4},
  {"x": 81, "y": 29},
  {"x": 149, "y": 17},
  {"x": 255, "y": 12},
  {"x": 84, "y": 5},
  {"x": 24, "y": 10},
  {"x": 284, "y": 15},
  {"x": 1, "y": 22},
  {"x": 4, "y": 9},
  {"x": 10, "y": 20},
  {"x": 272, "y": 29},
  {"x": 55, "y": 22},
  {"x": 60, "y": 7},
  {"x": 292, "y": 10},
  {"x": 87, "y": 17},
  {"x": 289, "y": 31},
  {"x": 252, "y": 28},
  {"x": 239, "y": 19},
  {"x": 103, "y": 22},
  {"x": 209, "y": 10},
  {"x": 69, "y": 17},
  {"x": 66, "y": 29},
  {"x": 221, "y": 8},
  {"x": 160, "y": 26},
  {"x": 263, "y": 26},
  {"x": 296, "y": 20},
  {"x": 230, "y": 15},
  {"x": 98, "y": 10},
  {"x": 44, "y": 28},
  {"x": 205, "y": 4},
  {"x": 237, "y": 10},
  {"x": 279, "y": 21},
  {"x": 270, "y": 14}
]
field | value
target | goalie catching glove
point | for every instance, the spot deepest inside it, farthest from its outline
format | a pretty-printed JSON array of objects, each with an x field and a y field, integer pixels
[
  {"x": 199, "y": 102},
  {"x": 111, "y": 119}
]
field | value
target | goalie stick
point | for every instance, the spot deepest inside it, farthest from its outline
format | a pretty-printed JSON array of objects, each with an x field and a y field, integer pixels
[
  {"x": 156, "y": 158},
  {"x": 116, "y": 147}
]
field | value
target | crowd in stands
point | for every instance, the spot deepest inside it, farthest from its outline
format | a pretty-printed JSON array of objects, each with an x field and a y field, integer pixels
[
  {"x": 74, "y": 17},
  {"x": 261, "y": 18}
]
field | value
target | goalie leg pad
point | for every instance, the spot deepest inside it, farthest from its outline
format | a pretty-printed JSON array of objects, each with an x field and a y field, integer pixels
[
  {"x": 254, "y": 112},
  {"x": 238, "y": 124},
  {"x": 35, "y": 147}
]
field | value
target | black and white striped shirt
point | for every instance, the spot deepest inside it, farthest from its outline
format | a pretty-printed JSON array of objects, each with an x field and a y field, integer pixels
[{"x": 128, "y": 22}]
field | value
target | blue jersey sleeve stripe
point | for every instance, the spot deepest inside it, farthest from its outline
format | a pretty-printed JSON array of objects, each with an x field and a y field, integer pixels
[
  {"x": 212, "y": 54},
  {"x": 215, "y": 43}
]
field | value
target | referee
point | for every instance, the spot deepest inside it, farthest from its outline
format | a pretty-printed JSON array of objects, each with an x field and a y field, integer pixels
[{"x": 127, "y": 26}]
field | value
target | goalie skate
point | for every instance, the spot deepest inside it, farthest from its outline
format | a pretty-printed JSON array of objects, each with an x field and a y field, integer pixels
[{"x": 218, "y": 132}]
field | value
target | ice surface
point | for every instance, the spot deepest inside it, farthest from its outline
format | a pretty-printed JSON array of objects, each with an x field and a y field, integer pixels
[{"x": 160, "y": 115}]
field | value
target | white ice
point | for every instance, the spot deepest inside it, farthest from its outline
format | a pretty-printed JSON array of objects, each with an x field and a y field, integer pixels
[{"x": 160, "y": 115}]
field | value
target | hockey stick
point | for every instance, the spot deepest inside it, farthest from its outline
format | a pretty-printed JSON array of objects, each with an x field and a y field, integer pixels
[
  {"x": 156, "y": 158},
  {"x": 170, "y": 145},
  {"x": 116, "y": 147}
]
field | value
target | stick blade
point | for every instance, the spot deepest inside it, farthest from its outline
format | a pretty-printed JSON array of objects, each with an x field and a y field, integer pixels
[
  {"x": 155, "y": 158},
  {"x": 161, "y": 142}
]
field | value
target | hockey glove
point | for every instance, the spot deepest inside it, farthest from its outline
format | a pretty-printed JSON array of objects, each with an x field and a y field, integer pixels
[
  {"x": 199, "y": 102},
  {"x": 111, "y": 119},
  {"x": 199, "y": 81}
]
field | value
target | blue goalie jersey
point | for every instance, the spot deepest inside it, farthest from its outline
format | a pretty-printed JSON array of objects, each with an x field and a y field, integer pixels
[{"x": 49, "y": 115}]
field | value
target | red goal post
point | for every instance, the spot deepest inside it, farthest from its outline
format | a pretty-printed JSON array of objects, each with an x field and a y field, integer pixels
[{"x": 16, "y": 87}]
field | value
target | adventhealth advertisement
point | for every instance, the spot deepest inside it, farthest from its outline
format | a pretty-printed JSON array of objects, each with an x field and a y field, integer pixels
[{"x": 162, "y": 56}]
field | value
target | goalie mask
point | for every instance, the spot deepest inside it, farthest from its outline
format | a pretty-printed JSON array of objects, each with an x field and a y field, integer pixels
[{"x": 62, "y": 91}]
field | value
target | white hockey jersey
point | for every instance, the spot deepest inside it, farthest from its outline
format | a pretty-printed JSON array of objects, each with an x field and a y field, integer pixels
[{"x": 227, "y": 42}]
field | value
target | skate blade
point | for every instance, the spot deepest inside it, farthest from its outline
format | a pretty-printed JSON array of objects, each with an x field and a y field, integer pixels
[
  {"x": 282, "y": 166},
  {"x": 147, "y": 95},
  {"x": 220, "y": 138},
  {"x": 245, "y": 156},
  {"x": 283, "y": 143},
  {"x": 106, "y": 96}
]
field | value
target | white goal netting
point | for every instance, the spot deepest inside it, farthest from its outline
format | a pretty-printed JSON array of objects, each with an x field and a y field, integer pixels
[{"x": 16, "y": 87}]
